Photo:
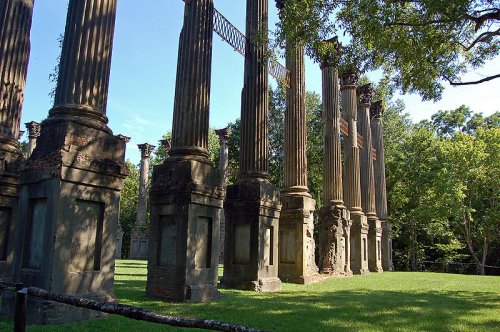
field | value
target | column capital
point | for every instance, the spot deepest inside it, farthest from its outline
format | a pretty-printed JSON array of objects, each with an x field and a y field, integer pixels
[
  {"x": 331, "y": 57},
  {"x": 146, "y": 149},
  {"x": 33, "y": 129},
  {"x": 377, "y": 110},
  {"x": 365, "y": 94},
  {"x": 124, "y": 138},
  {"x": 166, "y": 145},
  {"x": 349, "y": 77},
  {"x": 223, "y": 135}
]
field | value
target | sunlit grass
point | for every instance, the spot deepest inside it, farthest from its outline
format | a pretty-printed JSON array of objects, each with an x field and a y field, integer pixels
[{"x": 378, "y": 302}]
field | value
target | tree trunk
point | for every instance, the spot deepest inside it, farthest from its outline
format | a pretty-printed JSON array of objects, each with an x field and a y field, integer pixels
[{"x": 485, "y": 254}]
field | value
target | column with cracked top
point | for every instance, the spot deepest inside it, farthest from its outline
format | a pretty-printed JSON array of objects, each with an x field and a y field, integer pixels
[
  {"x": 223, "y": 164},
  {"x": 352, "y": 185},
  {"x": 377, "y": 129},
  {"x": 365, "y": 97},
  {"x": 33, "y": 134},
  {"x": 70, "y": 186},
  {"x": 186, "y": 193},
  {"x": 334, "y": 222},
  {"x": 140, "y": 233},
  {"x": 15, "y": 26},
  {"x": 252, "y": 204}
]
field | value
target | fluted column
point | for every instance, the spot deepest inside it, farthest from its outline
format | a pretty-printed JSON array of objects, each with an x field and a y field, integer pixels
[
  {"x": 192, "y": 86},
  {"x": 295, "y": 124},
  {"x": 223, "y": 154},
  {"x": 15, "y": 26},
  {"x": 351, "y": 149},
  {"x": 365, "y": 94},
  {"x": 142, "y": 200},
  {"x": 352, "y": 185},
  {"x": 377, "y": 129},
  {"x": 33, "y": 134},
  {"x": 82, "y": 86},
  {"x": 254, "y": 145}
]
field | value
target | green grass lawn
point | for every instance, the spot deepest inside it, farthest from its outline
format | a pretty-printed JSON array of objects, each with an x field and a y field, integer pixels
[{"x": 397, "y": 301}]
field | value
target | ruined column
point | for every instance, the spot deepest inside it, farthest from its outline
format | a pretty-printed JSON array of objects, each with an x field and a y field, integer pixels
[
  {"x": 70, "y": 186},
  {"x": 365, "y": 96},
  {"x": 352, "y": 185},
  {"x": 186, "y": 193},
  {"x": 15, "y": 25},
  {"x": 139, "y": 235},
  {"x": 119, "y": 231},
  {"x": 223, "y": 164},
  {"x": 33, "y": 134},
  {"x": 334, "y": 217},
  {"x": 252, "y": 203},
  {"x": 377, "y": 129}
]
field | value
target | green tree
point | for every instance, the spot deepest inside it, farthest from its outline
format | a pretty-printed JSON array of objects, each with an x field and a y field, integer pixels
[{"x": 418, "y": 43}]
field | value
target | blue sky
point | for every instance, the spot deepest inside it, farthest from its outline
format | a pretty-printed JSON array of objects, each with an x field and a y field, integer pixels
[{"x": 143, "y": 69}]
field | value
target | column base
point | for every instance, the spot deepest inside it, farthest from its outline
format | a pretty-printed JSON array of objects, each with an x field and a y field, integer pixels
[
  {"x": 139, "y": 243},
  {"x": 374, "y": 245},
  {"x": 252, "y": 210},
  {"x": 333, "y": 247},
  {"x": 359, "y": 243},
  {"x": 296, "y": 242},
  {"x": 186, "y": 200}
]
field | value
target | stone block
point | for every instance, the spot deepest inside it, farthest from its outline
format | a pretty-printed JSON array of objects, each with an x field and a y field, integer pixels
[
  {"x": 186, "y": 201},
  {"x": 374, "y": 244},
  {"x": 251, "y": 239},
  {"x": 359, "y": 243}
]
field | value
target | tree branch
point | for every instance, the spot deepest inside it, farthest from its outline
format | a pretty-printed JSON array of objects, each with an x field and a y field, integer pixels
[
  {"x": 483, "y": 37},
  {"x": 486, "y": 79},
  {"x": 479, "y": 20}
]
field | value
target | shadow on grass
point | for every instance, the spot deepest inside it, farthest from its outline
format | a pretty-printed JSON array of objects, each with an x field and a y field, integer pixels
[{"x": 343, "y": 309}]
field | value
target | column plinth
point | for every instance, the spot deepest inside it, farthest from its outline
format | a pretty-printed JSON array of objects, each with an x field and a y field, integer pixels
[
  {"x": 377, "y": 130},
  {"x": 77, "y": 169},
  {"x": 352, "y": 184},
  {"x": 186, "y": 193},
  {"x": 365, "y": 94},
  {"x": 15, "y": 25},
  {"x": 252, "y": 204},
  {"x": 334, "y": 217}
]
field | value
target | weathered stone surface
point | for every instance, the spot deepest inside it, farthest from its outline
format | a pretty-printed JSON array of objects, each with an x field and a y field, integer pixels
[
  {"x": 186, "y": 194},
  {"x": 119, "y": 242},
  {"x": 365, "y": 94},
  {"x": 251, "y": 250},
  {"x": 15, "y": 25},
  {"x": 352, "y": 185},
  {"x": 184, "y": 231},
  {"x": 377, "y": 129},
  {"x": 33, "y": 134}
]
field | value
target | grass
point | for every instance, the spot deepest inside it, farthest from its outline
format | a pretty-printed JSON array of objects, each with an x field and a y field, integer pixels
[{"x": 397, "y": 301}]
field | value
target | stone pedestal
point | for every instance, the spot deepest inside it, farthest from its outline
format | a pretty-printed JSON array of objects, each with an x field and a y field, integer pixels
[
  {"x": 296, "y": 242},
  {"x": 119, "y": 242},
  {"x": 251, "y": 256},
  {"x": 334, "y": 239},
  {"x": 184, "y": 232},
  {"x": 374, "y": 245},
  {"x": 15, "y": 25},
  {"x": 359, "y": 243},
  {"x": 139, "y": 242}
]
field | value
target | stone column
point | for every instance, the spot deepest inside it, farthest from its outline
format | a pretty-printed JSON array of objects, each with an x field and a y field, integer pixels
[
  {"x": 166, "y": 146},
  {"x": 33, "y": 134},
  {"x": 365, "y": 96},
  {"x": 15, "y": 25},
  {"x": 223, "y": 164},
  {"x": 77, "y": 170},
  {"x": 139, "y": 236},
  {"x": 352, "y": 185},
  {"x": 377, "y": 129},
  {"x": 120, "y": 232},
  {"x": 296, "y": 243},
  {"x": 252, "y": 204},
  {"x": 334, "y": 217},
  {"x": 186, "y": 193}
]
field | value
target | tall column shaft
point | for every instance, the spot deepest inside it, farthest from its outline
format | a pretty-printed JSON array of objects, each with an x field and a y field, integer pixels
[
  {"x": 332, "y": 160},
  {"x": 351, "y": 150},
  {"x": 367, "y": 176},
  {"x": 192, "y": 88},
  {"x": 254, "y": 144},
  {"x": 296, "y": 124},
  {"x": 82, "y": 86},
  {"x": 15, "y": 26}
]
